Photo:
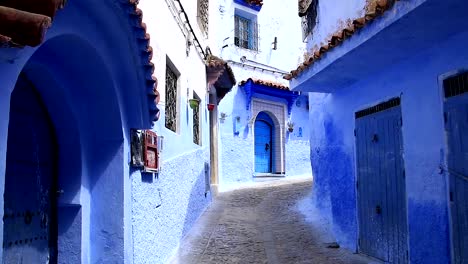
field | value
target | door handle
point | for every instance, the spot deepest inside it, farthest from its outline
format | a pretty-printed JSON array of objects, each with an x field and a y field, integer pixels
[
  {"x": 378, "y": 209},
  {"x": 267, "y": 147}
]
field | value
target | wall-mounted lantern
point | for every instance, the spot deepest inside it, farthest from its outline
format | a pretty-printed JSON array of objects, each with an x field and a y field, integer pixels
[{"x": 145, "y": 150}]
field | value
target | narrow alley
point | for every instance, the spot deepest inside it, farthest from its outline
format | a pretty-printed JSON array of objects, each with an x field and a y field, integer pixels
[{"x": 269, "y": 223}]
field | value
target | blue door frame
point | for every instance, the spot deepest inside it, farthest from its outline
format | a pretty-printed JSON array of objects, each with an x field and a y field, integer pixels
[
  {"x": 380, "y": 185},
  {"x": 263, "y": 143},
  {"x": 456, "y": 127},
  {"x": 30, "y": 223}
]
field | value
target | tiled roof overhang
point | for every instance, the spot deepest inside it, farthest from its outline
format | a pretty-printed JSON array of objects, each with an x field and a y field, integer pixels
[
  {"x": 220, "y": 75},
  {"x": 259, "y": 87},
  {"x": 253, "y": 4},
  {"x": 408, "y": 28},
  {"x": 24, "y": 23},
  {"x": 271, "y": 84},
  {"x": 145, "y": 51}
]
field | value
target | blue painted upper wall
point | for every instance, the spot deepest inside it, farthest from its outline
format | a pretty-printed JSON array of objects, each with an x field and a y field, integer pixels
[
  {"x": 405, "y": 53},
  {"x": 416, "y": 81}
]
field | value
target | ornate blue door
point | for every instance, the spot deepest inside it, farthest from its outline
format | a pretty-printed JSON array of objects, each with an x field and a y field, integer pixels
[
  {"x": 263, "y": 136},
  {"x": 381, "y": 183},
  {"x": 29, "y": 222},
  {"x": 456, "y": 127}
]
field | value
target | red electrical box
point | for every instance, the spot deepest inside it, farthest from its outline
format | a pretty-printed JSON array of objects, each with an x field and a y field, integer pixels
[{"x": 150, "y": 151}]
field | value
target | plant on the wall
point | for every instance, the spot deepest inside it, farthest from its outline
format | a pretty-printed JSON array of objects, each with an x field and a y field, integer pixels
[{"x": 290, "y": 126}]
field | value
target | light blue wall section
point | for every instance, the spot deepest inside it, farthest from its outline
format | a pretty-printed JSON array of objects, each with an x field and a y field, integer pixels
[
  {"x": 237, "y": 150},
  {"x": 166, "y": 207},
  {"x": 332, "y": 146}
]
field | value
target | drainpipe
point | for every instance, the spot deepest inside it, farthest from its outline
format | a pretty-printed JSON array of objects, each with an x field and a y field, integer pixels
[{"x": 214, "y": 137}]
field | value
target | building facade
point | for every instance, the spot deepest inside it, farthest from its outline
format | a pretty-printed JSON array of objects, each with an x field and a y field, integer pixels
[
  {"x": 262, "y": 124},
  {"x": 389, "y": 99}
]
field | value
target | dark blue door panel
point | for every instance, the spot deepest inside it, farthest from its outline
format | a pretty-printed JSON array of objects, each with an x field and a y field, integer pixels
[
  {"x": 29, "y": 230},
  {"x": 456, "y": 116},
  {"x": 381, "y": 186}
]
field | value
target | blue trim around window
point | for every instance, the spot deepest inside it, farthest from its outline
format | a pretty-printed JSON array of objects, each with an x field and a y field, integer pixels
[
  {"x": 251, "y": 89},
  {"x": 244, "y": 3}
]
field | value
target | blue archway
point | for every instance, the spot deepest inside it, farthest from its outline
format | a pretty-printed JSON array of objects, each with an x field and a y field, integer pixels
[
  {"x": 85, "y": 115},
  {"x": 264, "y": 143}
]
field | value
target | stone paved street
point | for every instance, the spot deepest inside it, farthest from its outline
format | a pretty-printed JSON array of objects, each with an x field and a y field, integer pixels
[{"x": 270, "y": 223}]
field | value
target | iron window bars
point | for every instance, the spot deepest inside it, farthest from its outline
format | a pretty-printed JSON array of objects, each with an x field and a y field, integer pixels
[
  {"x": 378, "y": 108},
  {"x": 196, "y": 122},
  {"x": 309, "y": 21},
  {"x": 171, "y": 99},
  {"x": 456, "y": 85},
  {"x": 245, "y": 33},
  {"x": 203, "y": 15}
]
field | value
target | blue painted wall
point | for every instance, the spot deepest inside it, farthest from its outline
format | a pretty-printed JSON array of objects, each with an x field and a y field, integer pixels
[
  {"x": 166, "y": 207},
  {"x": 94, "y": 97},
  {"x": 332, "y": 146}
]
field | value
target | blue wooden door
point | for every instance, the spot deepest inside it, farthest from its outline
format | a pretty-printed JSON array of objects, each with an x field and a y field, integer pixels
[
  {"x": 456, "y": 125},
  {"x": 381, "y": 185},
  {"x": 262, "y": 146},
  {"x": 29, "y": 222}
]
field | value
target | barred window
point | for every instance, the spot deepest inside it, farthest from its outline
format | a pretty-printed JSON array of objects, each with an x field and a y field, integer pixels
[
  {"x": 203, "y": 15},
  {"x": 245, "y": 33},
  {"x": 171, "y": 99},
  {"x": 196, "y": 122},
  {"x": 309, "y": 20}
]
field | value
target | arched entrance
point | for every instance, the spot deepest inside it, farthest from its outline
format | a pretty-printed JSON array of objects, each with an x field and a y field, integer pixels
[
  {"x": 30, "y": 206},
  {"x": 263, "y": 143}
]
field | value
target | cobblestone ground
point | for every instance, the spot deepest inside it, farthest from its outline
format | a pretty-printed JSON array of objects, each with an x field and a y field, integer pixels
[{"x": 263, "y": 224}]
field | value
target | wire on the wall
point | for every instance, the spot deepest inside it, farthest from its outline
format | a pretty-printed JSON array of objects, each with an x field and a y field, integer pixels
[{"x": 185, "y": 26}]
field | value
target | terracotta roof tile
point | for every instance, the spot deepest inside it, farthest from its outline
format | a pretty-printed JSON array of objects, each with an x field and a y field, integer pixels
[
  {"x": 373, "y": 10},
  {"x": 215, "y": 67},
  {"x": 142, "y": 39},
  {"x": 254, "y": 2},
  {"x": 24, "y": 22},
  {"x": 272, "y": 84}
]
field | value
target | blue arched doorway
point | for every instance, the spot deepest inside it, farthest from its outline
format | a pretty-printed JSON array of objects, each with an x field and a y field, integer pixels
[
  {"x": 264, "y": 127},
  {"x": 30, "y": 198}
]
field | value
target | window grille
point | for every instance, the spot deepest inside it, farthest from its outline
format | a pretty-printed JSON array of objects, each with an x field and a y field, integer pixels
[
  {"x": 378, "y": 108},
  {"x": 171, "y": 99},
  {"x": 203, "y": 15},
  {"x": 309, "y": 21},
  {"x": 456, "y": 85},
  {"x": 245, "y": 33},
  {"x": 196, "y": 123}
]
